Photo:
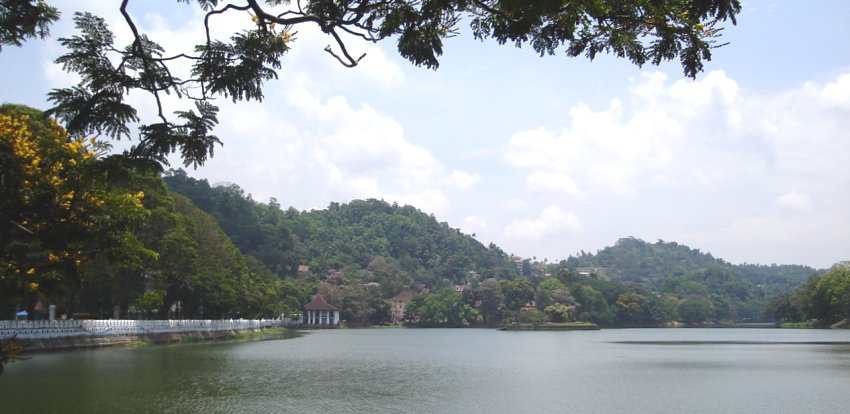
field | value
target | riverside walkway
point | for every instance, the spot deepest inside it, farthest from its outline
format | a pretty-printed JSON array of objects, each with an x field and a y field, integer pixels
[{"x": 100, "y": 328}]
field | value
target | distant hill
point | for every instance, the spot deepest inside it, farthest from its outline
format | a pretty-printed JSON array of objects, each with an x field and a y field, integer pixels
[
  {"x": 400, "y": 248},
  {"x": 672, "y": 268},
  {"x": 632, "y": 259},
  {"x": 397, "y": 246}
]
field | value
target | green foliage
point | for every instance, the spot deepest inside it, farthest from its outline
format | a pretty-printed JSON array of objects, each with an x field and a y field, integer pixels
[
  {"x": 442, "y": 308},
  {"x": 24, "y": 19},
  {"x": 489, "y": 299},
  {"x": 517, "y": 292},
  {"x": 593, "y": 307},
  {"x": 237, "y": 68},
  {"x": 824, "y": 299},
  {"x": 100, "y": 233},
  {"x": 639, "y": 31},
  {"x": 396, "y": 247},
  {"x": 695, "y": 311},
  {"x": 735, "y": 292},
  {"x": 10, "y": 351},
  {"x": 151, "y": 301},
  {"x": 359, "y": 304},
  {"x": 558, "y": 312},
  {"x": 533, "y": 316},
  {"x": 62, "y": 207},
  {"x": 551, "y": 285}
]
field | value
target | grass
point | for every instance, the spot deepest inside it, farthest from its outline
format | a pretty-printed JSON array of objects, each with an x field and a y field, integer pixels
[{"x": 797, "y": 325}]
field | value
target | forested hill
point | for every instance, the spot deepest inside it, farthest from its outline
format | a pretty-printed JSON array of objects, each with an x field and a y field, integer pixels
[
  {"x": 672, "y": 268},
  {"x": 374, "y": 241},
  {"x": 400, "y": 247}
]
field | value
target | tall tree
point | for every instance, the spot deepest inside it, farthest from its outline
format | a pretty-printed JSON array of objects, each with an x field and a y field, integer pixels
[{"x": 58, "y": 207}]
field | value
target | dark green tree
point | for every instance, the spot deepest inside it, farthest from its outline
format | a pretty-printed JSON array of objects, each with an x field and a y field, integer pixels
[
  {"x": 592, "y": 306},
  {"x": 24, "y": 19},
  {"x": 695, "y": 310},
  {"x": 488, "y": 294},
  {"x": 444, "y": 307},
  {"x": 517, "y": 292}
]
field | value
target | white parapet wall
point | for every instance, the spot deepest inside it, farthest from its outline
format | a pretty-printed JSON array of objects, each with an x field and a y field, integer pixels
[{"x": 93, "y": 328}]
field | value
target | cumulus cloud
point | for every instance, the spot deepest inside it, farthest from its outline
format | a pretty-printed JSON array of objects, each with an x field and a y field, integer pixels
[
  {"x": 701, "y": 148},
  {"x": 650, "y": 139},
  {"x": 551, "y": 220},
  {"x": 320, "y": 150}
]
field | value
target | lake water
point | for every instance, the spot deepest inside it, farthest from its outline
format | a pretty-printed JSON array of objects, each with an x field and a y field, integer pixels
[{"x": 451, "y": 371}]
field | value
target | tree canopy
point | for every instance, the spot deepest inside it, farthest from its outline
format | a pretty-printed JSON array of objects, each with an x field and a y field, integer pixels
[
  {"x": 60, "y": 205},
  {"x": 24, "y": 19},
  {"x": 236, "y": 68},
  {"x": 823, "y": 300}
]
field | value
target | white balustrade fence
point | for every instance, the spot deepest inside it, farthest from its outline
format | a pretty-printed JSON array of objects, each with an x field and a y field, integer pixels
[{"x": 66, "y": 328}]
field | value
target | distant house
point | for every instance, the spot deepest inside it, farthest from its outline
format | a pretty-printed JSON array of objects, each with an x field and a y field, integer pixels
[
  {"x": 459, "y": 288},
  {"x": 320, "y": 313},
  {"x": 399, "y": 302},
  {"x": 589, "y": 271}
]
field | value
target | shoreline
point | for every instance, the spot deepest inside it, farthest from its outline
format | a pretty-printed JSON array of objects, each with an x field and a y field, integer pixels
[
  {"x": 67, "y": 343},
  {"x": 549, "y": 326}
]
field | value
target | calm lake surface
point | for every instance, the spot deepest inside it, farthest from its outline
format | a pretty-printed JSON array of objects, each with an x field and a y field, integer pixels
[{"x": 451, "y": 371}]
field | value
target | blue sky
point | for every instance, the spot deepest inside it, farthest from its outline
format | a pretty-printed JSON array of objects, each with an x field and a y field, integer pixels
[{"x": 543, "y": 156}]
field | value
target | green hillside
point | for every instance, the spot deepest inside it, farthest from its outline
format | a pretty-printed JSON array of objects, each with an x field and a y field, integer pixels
[
  {"x": 374, "y": 241},
  {"x": 735, "y": 292},
  {"x": 394, "y": 248}
]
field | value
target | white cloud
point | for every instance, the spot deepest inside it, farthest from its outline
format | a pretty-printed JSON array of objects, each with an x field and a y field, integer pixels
[
  {"x": 323, "y": 150},
  {"x": 462, "y": 180},
  {"x": 704, "y": 149},
  {"x": 837, "y": 93},
  {"x": 547, "y": 181},
  {"x": 552, "y": 220},
  {"x": 756, "y": 239},
  {"x": 795, "y": 201},
  {"x": 689, "y": 133},
  {"x": 473, "y": 225}
]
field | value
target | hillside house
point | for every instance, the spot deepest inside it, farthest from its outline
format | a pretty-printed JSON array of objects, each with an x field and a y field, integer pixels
[{"x": 399, "y": 302}]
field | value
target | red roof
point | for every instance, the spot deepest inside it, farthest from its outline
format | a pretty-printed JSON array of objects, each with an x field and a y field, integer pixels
[
  {"x": 318, "y": 303},
  {"x": 403, "y": 296}
]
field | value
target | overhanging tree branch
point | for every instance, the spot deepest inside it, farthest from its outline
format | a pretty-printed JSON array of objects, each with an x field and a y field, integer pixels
[{"x": 237, "y": 68}]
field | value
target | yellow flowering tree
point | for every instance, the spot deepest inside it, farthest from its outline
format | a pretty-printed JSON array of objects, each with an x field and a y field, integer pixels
[{"x": 58, "y": 208}]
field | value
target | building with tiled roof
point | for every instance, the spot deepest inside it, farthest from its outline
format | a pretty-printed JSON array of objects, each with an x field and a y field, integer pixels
[{"x": 320, "y": 313}]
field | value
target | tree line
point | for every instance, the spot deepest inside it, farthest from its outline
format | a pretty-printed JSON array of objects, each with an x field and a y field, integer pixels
[
  {"x": 360, "y": 253},
  {"x": 99, "y": 235},
  {"x": 824, "y": 300}
]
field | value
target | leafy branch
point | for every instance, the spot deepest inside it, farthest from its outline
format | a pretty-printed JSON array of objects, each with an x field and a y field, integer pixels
[{"x": 237, "y": 68}]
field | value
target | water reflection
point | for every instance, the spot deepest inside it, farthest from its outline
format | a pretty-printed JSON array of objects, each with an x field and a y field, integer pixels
[{"x": 437, "y": 371}]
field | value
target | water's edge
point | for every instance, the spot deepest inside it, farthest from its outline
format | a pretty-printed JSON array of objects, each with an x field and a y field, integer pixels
[{"x": 85, "y": 342}]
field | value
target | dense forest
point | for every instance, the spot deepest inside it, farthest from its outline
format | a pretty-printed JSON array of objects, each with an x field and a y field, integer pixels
[
  {"x": 105, "y": 236},
  {"x": 824, "y": 300},
  {"x": 399, "y": 246},
  {"x": 393, "y": 248},
  {"x": 101, "y": 236},
  {"x": 704, "y": 288}
]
